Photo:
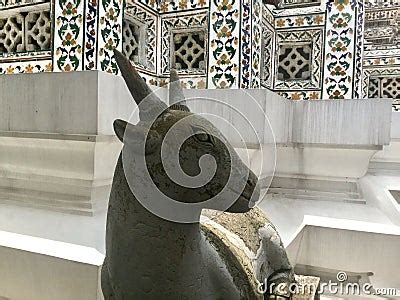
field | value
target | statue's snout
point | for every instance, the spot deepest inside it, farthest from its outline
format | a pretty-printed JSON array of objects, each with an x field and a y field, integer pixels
[{"x": 249, "y": 196}]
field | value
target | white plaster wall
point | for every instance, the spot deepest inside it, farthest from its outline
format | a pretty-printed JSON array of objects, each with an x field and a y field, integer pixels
[
  {"x": 72, "y": 103},
  {"x": 333, "y": 122}
]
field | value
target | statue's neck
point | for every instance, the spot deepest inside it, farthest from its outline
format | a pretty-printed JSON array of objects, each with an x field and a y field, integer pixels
[{"x": 142, "y": 224}]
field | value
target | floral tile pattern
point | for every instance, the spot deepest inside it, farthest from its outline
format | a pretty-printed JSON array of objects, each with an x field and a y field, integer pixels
[
  {"x": 243, "y": 40},
  {"x": 300, "y": 21},
  {"x": 91, "y": 22},
  {"x": 245, "y": 45},
  {"x": 340, "y": 74},
  {"x": 26, "y": 67},
  {"x": 224, "y": 57},
  {"x": 359, "y": 48},
  {"x": 301, "y": 95},
  {"x": 256, "y": 44},
  {"x": 165, "y": 6},
  {"x": 68, "y": 37},
  {"x": 110, "y": 34}
]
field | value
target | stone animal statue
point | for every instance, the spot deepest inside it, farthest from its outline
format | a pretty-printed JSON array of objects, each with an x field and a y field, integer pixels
[{"x": 149, "y": 257}]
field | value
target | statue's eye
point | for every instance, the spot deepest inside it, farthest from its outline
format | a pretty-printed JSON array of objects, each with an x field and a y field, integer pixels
[{"x": 204, "y": 137}]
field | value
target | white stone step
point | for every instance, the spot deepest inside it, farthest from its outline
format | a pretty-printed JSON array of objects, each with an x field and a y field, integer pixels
[
  {"x": 316, "y": 195},
  {"x": 52, "y": 201},
  {"x": 384, "y": 168}
]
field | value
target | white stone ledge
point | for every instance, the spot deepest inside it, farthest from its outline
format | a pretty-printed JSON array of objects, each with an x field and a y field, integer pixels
[
  {"x": 35, "y": 268},
  {"x": 57, "y": 136},
  {"x": 67, "y": 251}
]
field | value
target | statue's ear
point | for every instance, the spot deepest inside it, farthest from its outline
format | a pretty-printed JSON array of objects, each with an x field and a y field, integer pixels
[
  {"x": 135, "y": 136},
  {"x": 119, "y": 128}
]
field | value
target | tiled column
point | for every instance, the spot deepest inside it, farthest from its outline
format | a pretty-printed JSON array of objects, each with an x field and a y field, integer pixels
[
  {"x": 85, "y": 33},
  {"x": 343, "y": 49},
  {"x": 224, "y": 49}
]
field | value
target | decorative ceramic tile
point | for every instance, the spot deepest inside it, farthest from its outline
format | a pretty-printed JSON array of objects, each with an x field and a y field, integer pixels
[
  {"x": 91, "y": 22},
  {"x": 110, "y": 34},
  {"x": 68, "y": 35},
  {"x": 150, "y": 21},
  {"x": 300, "y": 21},
  {"x": 165, "y": 6},
  {"x": 381, "y": 14},
  {"x": 267, "y": 54},
  {"x": 339, "y": 49},
  {"x": 26, "y": 67},
  {"x": 381, "y": 61},
  {"x": 245, "y": 44},
  {"x": 152, "y": 4},
  {"x": 301, "y": 95},
  {"x": 181, "y": 5},
  {"x": 267, "y": 15},
  {"x": 256, "y": 44},
  {"x": 33, "y": 55},
  {"x": 396, "y": 105},
  {"x": 385, "y": 87},
  {"x": 287, "y": 40},
  {"x": 198, "y": 82},
  {"x": 382, "y": 52},
  {"x": 300, "y": 10},
  {"x": 189, "y": 82},
  {"x": 224, "y": 42},
  {"x": 359, "y": 50},
  {"x": 298, "y": 3},
  {"x": 377, "y": 73},
  {"x": 179, "y": 23}
]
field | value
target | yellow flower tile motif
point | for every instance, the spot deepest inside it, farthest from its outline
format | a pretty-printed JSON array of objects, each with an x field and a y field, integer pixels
[
  {"x": 314, "y": 96},
  {"x": 10, "y": 70},
  {"x": 201, "y": 84},
  {"x": 296, "y": 96},
  {"x": 48, "y": 67},
  {"x": 280, "y": 23},
  {"x": 29, "y": 68},
  {"x": 318, "y": 20},
  {"x": 341, "y": 4},
  {"x": 183, "y": 4},
  {"x": 299, "y": 21}
]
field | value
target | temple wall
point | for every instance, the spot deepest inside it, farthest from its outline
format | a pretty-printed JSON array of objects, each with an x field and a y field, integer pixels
[{"x": 300, "y": 50}]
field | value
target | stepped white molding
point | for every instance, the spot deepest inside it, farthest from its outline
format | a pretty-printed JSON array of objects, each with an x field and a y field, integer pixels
[
  {"x": 57, "y": 146},
  {"x": 58, "y": 149},
  {"x": 345, "y": 245},
  {"x": 321, "y": 145}
]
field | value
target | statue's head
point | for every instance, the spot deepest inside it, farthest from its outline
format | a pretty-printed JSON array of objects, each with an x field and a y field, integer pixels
[{"x": 187, "y": 158}]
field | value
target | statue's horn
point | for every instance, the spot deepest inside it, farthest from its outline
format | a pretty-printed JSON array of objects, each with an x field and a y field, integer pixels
[
  {"x": 176, "y": 97},
  {"x": 139, "y": 88}
]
